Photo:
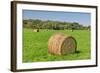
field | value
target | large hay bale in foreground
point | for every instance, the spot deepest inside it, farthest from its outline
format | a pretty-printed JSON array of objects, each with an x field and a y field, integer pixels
[{"x": 60, "y": 44}]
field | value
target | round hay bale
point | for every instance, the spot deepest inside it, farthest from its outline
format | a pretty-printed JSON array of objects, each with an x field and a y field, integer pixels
[
  {"x": 60, "y": 44},
  {"x": 36, "y": 30}
]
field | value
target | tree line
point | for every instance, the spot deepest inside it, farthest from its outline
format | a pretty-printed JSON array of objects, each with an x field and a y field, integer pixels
[{"x": 54, "y": 25}]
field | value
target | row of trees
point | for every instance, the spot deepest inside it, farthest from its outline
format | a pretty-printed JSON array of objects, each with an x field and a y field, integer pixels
[{"x": 55, "y": 25}]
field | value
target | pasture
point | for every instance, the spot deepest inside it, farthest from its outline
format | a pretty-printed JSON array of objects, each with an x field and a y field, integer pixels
[{"x": 35, "y": 45}]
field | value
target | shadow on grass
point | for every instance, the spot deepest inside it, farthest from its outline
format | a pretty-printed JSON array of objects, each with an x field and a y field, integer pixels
[{"x": 77, "y": 51}]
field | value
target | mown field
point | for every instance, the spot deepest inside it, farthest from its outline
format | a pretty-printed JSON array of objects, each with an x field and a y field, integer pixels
[{"x": 35, "y": 45}]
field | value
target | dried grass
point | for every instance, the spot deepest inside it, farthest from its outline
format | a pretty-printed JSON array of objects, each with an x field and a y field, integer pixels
[{"x": 60, "y": 44}]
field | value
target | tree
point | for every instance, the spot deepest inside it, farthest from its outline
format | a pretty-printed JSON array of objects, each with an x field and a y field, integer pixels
[
  {"x": 89, "y": 27},
  {"x": 54, "y": 25}
]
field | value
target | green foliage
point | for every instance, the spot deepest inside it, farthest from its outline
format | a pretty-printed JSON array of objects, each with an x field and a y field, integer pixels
[
  {"x": 55, "y": 25},
  {"x": 35, "y": 45}
]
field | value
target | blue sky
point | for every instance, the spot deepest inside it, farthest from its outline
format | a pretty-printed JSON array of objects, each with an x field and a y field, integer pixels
[{"x": 82, "y": 18}]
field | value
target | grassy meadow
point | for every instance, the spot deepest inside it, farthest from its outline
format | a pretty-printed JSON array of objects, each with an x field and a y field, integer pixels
[{"x": 35, "y": 45}]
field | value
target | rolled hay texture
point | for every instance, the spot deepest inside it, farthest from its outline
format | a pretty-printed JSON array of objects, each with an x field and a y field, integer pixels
[{"x": 60, "y": 44}]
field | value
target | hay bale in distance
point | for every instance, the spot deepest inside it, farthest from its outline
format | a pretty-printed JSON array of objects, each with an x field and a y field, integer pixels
[
  {"x": 60, "y": 44},
  {"x": 35, "y": 30}
]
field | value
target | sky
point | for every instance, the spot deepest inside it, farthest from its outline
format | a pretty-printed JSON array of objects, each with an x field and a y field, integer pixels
[{"x": 82, "y": 18}]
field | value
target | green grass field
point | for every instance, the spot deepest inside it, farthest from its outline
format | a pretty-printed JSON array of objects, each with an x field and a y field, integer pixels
[{"x": 35, "y": 45}]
